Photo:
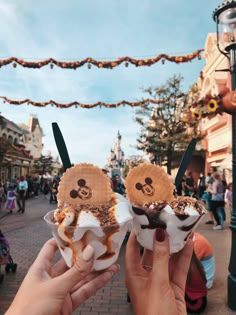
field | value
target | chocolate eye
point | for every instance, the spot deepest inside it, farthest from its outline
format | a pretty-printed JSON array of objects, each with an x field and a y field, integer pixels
[
  {"x": 81, "y": 182},
  {"x": 148, "y": 180},
  {"x": 74, "y": 194},
  {"x": 139, "y": 186}
]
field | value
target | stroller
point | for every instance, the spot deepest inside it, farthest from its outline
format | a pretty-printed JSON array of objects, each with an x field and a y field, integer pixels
[{"x": 5, "y": 257}]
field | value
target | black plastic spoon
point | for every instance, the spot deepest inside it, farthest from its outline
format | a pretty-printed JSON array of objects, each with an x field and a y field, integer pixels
[{"x": 61, "y": 146}]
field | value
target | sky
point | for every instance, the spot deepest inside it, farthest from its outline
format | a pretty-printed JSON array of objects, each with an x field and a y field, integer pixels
[{"x": 104, "y": 30}]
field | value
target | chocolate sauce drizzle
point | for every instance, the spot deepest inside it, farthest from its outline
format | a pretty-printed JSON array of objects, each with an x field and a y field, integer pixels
[
  {"x": 153, "y": 216},
  {"x": 187, "y": 228}
]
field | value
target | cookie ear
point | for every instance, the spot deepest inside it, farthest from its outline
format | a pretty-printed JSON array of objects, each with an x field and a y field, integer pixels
[
  {"x": 148, "y": 180},
  {"x": 81, "y": 182},
  {"x": 74, "y": 194},
  {"x": 139, "y": 186}
]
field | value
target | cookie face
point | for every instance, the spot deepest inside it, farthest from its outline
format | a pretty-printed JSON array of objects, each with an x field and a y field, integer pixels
[
  {"x": 148, "y": 183},
  {"x": 84, "y": 184}
]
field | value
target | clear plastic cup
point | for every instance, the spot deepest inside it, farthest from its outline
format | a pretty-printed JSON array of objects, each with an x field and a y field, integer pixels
[
  {"x": 178, "y": 226},
  {"x": 106, "y": 240}
]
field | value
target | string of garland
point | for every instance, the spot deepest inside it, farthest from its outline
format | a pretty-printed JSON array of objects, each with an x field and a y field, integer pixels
[
  {"x": 100, "y": 64},
  {"x": 78, "y": 104}
]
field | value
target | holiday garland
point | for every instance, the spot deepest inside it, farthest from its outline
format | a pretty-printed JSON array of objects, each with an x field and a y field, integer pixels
[
  {"x": 209, "y": 106},
  {"x": 78, "y": 104},
  {"x": 100, "y": 64}
]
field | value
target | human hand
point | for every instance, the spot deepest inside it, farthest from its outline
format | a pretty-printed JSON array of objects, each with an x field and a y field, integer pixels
[
  {"x": 156, "y": 281},
  {"x": 53, "y": 289}
]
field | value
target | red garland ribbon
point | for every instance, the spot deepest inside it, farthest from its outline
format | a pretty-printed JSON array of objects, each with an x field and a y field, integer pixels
[
  {"x": 101, "y": 64},
  {"x": 76, "y": 104}
]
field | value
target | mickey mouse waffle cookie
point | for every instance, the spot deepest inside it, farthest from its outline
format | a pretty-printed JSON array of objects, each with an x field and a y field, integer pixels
[
  {"x": 89, "y": 212},
  {"x": 84, "y": 184},
  {"x": 148, "y": 183}
]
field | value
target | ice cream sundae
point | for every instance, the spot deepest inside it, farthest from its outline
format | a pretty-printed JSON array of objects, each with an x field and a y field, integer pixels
[
  {"x": 89, "y": 212},
  {"x": 154, "y": 205}
]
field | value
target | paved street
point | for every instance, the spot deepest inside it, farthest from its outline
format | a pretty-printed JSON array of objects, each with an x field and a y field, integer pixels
[{"x": 27, "y": 233}]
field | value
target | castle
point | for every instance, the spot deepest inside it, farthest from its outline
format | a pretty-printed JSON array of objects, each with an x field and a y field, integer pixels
[{"x": 116, "y": 160}]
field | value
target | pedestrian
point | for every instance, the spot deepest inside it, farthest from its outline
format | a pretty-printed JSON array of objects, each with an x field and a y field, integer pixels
[
  {"x": 209, "y": 179},
  {"x": 2, "y": 193},
  {"x": 120, "y": 187},
  {"x": 36, "y": 186},
  {"x": 217, "y": 201},
  {"x": 14, "y": 181},
  {"x": 189, "y": 185},
  {"x": 7, "y": 184},
  {"x": 21, "y": 194},
  {"x": 204, "y": 253},
  {"x": 201, "y": 185},
  {"x": 207, "y": 197},
  {"x": 11, "y": 199},
  {"x": 46, "y": 187},
  {"x": 54, "y": 190},
  {"x": 229, "y": 196}
]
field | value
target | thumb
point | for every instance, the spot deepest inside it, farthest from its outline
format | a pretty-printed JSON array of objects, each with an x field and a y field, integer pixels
[
  {"x": 78, "y": 271},
  {"x": 161, "y": 253}
]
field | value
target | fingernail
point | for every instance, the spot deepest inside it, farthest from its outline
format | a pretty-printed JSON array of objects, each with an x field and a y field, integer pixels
[
  {"x": 160, "y": 235},
  {"x": 88, "y": 253},
  {"x": 191, "y": 236}
]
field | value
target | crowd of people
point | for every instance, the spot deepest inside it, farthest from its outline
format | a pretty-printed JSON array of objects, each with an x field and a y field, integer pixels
[
  {"x": 213, "y": 190},
  {"x": 15, "y": 192}
]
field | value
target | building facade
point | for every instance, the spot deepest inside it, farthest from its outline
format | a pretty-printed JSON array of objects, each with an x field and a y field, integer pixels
[
  {"x": 33, "y": 136},
  {"x": 218, "y": 130},
  {"x": 16, "y": 160},
  {"x": 20, "y": 146}
]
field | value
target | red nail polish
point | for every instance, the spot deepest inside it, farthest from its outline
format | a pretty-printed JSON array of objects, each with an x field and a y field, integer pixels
[{"x": 160, "y": 235}]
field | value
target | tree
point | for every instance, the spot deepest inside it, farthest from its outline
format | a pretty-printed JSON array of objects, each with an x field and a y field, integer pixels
[
  {"x": 43, "y": 165},
  {"x": 164, "y": 130}
]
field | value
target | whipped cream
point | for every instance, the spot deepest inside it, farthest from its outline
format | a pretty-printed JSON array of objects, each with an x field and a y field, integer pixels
[
  {"x": 104, "y": 228},
  {"x": 178, "y": 217}
]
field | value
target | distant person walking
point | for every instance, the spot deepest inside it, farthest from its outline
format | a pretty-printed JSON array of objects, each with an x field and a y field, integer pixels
[
  {"x": 229, "y": 196},
  {"x": 2, "y": 193},
  {"x": 201, "y": 185},
  {"x": 11, "y": 199},
  {"x": 46, "y": 188},
  {"x": 207, "y": 197},
  {"x": 21, "y": 194},
  {"x": 217, "y": 201},
  {"x": 189, "y": 185}
]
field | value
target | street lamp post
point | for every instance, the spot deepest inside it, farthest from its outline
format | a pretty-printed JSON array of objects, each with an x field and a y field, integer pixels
[{"x": 225, "y": 18}]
